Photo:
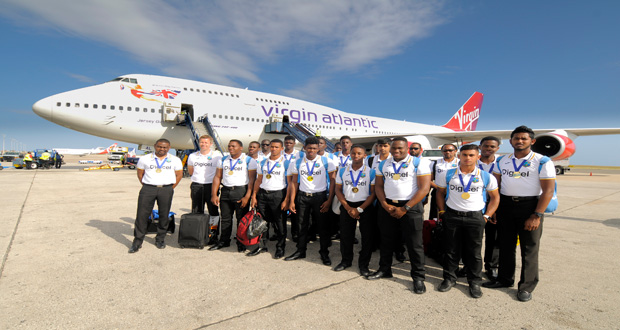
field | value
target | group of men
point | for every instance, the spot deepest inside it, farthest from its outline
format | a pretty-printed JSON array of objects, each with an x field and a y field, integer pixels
[
  {"x": 385, "y": 192},
  {"x": 46, "y": 159}
]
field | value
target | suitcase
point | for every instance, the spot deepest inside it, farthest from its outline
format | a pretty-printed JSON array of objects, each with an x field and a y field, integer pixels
[
  {"x": 151, "y": 224},
  {"x": 427, "y": 230},
  {"x": 193, "y": 230},
  {"x": 432, "y": 238}
]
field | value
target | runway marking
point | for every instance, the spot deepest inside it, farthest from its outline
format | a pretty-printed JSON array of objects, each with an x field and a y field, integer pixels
[
  {"x": 279, "y": 302},
  {"x": 21, "y": 212}
]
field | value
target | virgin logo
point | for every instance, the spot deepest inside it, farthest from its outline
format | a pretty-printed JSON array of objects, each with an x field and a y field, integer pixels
[{"x": 467, "y": 119}]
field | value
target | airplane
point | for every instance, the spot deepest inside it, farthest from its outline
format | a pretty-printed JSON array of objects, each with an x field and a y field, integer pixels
[
  {"x": 84, "y": 152},
  {"x": 139, "y": 108}
]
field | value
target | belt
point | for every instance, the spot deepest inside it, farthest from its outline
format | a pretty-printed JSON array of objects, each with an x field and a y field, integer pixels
[
  {"x": 303, "y": 193},
  {"x": 233, "y": 187},
  {"x": 158, "y": 185},
  {"x": 518, "y": 199},
  {"x": 396, "y": 202},
  {"x": 270, "y": 191},
  {"x": 462, "y": 213}
]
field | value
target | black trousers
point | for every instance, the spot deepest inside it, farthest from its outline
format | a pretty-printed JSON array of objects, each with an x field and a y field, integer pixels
[
  {"x": 410, "y": 225},
  {"x": 146, "y": 201},
  {"x": 433, "y": 211},
  {"x": 463, "y": 238},
  {"x": 511, "y": 218},
  {"x": 491, "y": 246},
  {"x": 310, "y": 207},
  {"x": 201, "y": 195},
  {"x": 347, "y": 235},
  {"x": 269, "y": 205},
  {"x": 28, "y": 164},
  {"x": 228, "y": 205},
  {"x": 58, "y": 163}
]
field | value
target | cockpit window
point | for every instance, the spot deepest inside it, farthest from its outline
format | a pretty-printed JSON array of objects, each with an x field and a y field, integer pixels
[
  {"x": 123, "y": 79},
  {"x": 116, "y": 79},
  {"x": 133, "y": 80}
]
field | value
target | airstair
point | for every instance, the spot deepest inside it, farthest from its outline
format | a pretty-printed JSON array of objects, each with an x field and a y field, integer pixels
[{"x": 299, "y": 130}]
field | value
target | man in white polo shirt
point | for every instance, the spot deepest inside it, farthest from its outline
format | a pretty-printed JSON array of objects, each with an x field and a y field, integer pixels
[
  {"x": 237, "y": 173},
  {"x": 527, "y": 183},
  {"x": 309, "y": 196},
  {"x": 439, "y": 166},
  {"x": 270, "y": 197},
  {"x": 159, "y": 173},
  {"x": 355, "y": 188},
  {"x": 202, "y": 165},
  {"x": 488, "y": 147},
  {"x": 461, "y": 201},
  {"x": 402, "y": 183}
]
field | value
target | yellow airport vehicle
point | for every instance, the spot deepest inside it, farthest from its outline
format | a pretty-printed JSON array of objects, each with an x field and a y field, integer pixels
[{"x": 104, "y": 167}]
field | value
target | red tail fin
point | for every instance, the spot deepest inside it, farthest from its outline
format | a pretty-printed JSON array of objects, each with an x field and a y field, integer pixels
[
  {"x": 466, "y": 118},
  {"x": 108, "y": 149}
]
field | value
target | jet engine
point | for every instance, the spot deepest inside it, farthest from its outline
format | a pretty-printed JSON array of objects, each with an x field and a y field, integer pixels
[{"x": 555, "y": 145}]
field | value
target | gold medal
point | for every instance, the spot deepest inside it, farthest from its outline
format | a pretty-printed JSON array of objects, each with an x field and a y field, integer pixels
[
  {"x": 230, "y": 172},
  {"x": 516, "y": 175},
  {"x": 465, "y": 195},
  {"x": 310, "y": 178},
  {"x": 396, "y": 176},
  {"x": 158, "y": 170},
  {"x": 268, "y": 176},
  {"x": 355, "y": 189}
]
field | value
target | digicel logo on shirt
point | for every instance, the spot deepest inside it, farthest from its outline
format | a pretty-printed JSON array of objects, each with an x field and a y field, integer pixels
[
  {"x": 164, "y": 167},
  {"x": 203, "y": 164},
  {"x": 389, "y": 174},
  {"x": 315, "y": 172},
  {"x": 237, "y": 168},
  {"x": 359, "y": 184},
  {"x": 460, "y": 188},
  {"x": 511, "y": 173}
]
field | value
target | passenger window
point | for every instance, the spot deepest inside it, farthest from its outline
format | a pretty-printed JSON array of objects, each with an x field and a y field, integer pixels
[
  {"x": 85, "y": 105},
  {"x": 120, "y": 107},
  {"x": 77, "y": 105},
  {"x": 226, "y": 94},
  {"x": 95, "y": 106},
  {"x": 103, "y": 106},
  {"x": 111, "y": 107},
  {"x": 220, "y": 116},
  {"x": 58, "y": 104},
  {"x": 252, "y": 119},
  {"x": 191, "y": 89},
  {"x": 68, "y": 105},
  {"x": 152, "y": 110},
  {"x": 128, "y": 108},
  {"x": 236, "y": 118},
  {"x": 210, "y": 92},
  {"x": 145, "y": 110}
]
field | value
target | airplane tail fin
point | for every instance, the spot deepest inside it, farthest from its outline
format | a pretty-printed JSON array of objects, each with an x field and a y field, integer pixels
[
  {"x": 466, "y": 118},
  {"x": 108, "y": 149}
]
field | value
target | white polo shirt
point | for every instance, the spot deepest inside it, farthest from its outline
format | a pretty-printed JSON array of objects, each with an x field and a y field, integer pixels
[
  {"x": 292, "y": 156},
  {"x": 442, "y": 166},
  {"x": 376, "y": 161},
  {"x": 366, "y": 177},
  {"x": 528, "y": 181},
  {"x": 487, "y": 167},
  {"x": 342, "y": 160},
  {"x": 150, "y": 163},
  {"x": 407, "y": 185},
  {"x": 239, "y": 168},
  {"x": 204, "y": 166},
  {"x": 277, "y": 174},
  {"x": 319, "y": 177},
  {"x": 455, "y": 189}
]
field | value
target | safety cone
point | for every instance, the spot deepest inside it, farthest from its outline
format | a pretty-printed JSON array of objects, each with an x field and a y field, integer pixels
[{"x": 590, "y": 173}]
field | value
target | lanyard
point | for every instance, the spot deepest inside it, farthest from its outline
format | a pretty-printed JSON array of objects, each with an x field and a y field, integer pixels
[
  {"x": 396, "y": 171},
  {"x": 471, "y": 178},
  {"x": 232, "y": 167},
  {"x": 359, "y": 175},
  {"x": 491, "y": 169},
  {"x": 517, "y": 168},
  {"x": 310, "y": 171},
  {"x": 342, "y": 164},
  {"x": 162, "y": 163},
  {"x": 273, "y": 167},
  {"x": 289, "y": 158}
]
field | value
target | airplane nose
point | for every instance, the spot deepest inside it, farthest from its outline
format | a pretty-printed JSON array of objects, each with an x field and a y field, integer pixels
[{"x": 43, "y": 108}]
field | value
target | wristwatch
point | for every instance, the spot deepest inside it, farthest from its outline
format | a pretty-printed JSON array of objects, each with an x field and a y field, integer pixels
[
  {"x": 538, "y": 214},
  {"x": 360, "y": 210},
  {"x": 487, "y": 217},
  {"x": 407, "y": 207}
]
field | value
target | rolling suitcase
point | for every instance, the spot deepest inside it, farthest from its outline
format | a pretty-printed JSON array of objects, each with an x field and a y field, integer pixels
[{"x": 193, "y": 230}]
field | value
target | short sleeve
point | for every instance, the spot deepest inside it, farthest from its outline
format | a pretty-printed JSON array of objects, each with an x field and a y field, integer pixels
[
  {"x": 338, "y": 178},
  {"x": 142, "y": 163},
  {"x": 424, "y": 168},
  {"x": 219, "y": 163},
  {"x": 492, "y": 185},
  {"x": 190, "y": 160},
  {"x": 331, "y": 167},
  {"x": 373, "y": 175},
  {"x": 547, "y": 172},
  {"x": 292, "y": 167},
  {"x": 440, "y": 179},
  {"x": 253, "y": 165},
  {"x": 178, "y": 165}
]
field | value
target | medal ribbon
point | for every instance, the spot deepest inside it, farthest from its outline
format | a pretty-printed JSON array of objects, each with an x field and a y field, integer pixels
[
  {"x": 274, "y": 166},
  {"x": 162, "y": 163},
  {"x": 396, "y": 171},
  {"x": 232, "y": 167},
  {"x": 514, "y": 164},
  {"x": 310, "y": 171},
  {"x": 471, "y": 178},
  {"x": 492, "y": 166},
  {"x": 359, "y": 175},
  {"x": 342, "y": 164},
  {"x": 289, "y": 158}
]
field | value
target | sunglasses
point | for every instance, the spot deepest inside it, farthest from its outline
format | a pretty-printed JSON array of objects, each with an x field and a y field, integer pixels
[
  {"x": 449, "y": 150},
  {"x": 414, "y": 148},
  {"x": 265, "y": 144}
]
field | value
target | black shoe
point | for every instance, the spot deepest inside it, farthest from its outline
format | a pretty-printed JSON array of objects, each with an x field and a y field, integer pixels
[
  {"x": 400, "y": 256},
  {"x": 495, "y": 285},
  {"x": 492, "y": 274},
  {"x": 335, "y": 237},
  {"x": 419, "y": 287},
  {"x": 378, "y": 274},
  {"x": 295, "y": 238},
  {"x": 256, "y": 251},
  {"x": 134, "y": 249},
  {"x": 240, "y": 248},
  {"x": 160, "y": 245},
  {"x": 474, "y": 291},
  {"x": 365, "y": 272},
  {"x": 446, "y": 285},
  {"x": 355, "y": 241},
  {"x": 218, "y": 246},
  {"x": 213, "y": 240},
  {"x": 273, "y": 237},
  {"x": 312, "y": 238},
  {"x": 326, "y": 260},
  {"x": 341, "y": 266},
  {"x": 295, "y": 256},
  {"x": 524, "y": 296},
  {"x": 462, "y": 272},
  {"x": 279, "y": 254}
]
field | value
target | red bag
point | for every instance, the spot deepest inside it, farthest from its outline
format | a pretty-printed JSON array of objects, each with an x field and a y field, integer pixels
[
  {"x": 427, "y": 230},
  {"x": 242, "y": 229}
]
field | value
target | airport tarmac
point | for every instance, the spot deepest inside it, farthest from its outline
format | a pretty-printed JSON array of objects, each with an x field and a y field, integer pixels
[{"x": 65, "y": 266}]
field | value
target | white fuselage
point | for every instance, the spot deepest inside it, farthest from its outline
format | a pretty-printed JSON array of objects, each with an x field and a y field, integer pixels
[{"x": 131, "y": 111}]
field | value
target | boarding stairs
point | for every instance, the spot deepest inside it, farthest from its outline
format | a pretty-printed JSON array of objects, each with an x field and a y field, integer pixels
[
  {"x": 202, "y": 126},
  {"x": 299, "y": 130}
]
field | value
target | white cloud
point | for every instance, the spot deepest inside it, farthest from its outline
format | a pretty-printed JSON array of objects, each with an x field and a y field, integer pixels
[{"x": 228, "y": 41}]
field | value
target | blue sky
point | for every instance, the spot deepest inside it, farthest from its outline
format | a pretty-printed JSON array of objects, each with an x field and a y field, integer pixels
[{"x": 545, "y": 64}]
